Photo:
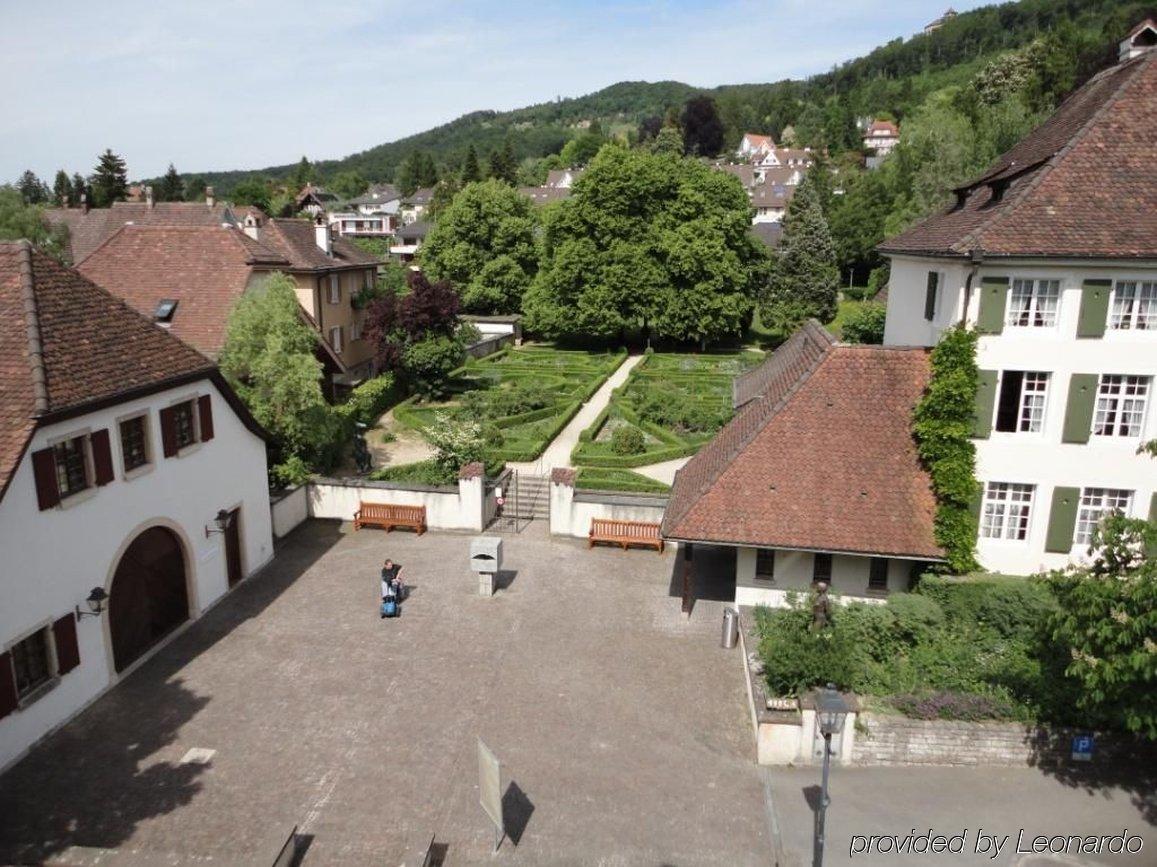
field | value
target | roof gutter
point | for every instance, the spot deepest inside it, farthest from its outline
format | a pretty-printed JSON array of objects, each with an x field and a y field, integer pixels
[
  {"x": 843, "y": 551},
  {"x": 976, "y": 257}
]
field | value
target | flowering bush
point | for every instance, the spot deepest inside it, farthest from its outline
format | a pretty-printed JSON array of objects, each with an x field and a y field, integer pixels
[{"x": 953, "y": 705}]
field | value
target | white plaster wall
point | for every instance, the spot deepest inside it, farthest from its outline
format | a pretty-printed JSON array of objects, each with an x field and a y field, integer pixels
[
  {"x": 905, "y": 324},
  {"x": 793, "y": 574},
  {"x": 289, "y": 511},
  {"x": 445, "y": 510},
  {"x": 569, "y": 517},
  {"x": 52, "y": 559}
]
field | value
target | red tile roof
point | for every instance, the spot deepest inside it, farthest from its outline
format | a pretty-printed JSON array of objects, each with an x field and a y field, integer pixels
[
  {"x": 205, "y": 269},
  {"x": 92, "y": 348},
  {"x": 883, "y": 127},
  {"x": 823, "y": 459},
  {"x": 1081, "y": 185},
  {"x": 295, "y": 240},
  {"x": 87, "y": 231}
]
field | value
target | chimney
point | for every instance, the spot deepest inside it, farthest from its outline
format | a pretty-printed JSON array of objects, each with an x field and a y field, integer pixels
[
  {"x": 251, "y": 226},
  {"x": 149, "y": 196},
  {"x": 321, "y": 235},
  {"x": 210, "y": 199},
  {"x": 84, "y": 202}
]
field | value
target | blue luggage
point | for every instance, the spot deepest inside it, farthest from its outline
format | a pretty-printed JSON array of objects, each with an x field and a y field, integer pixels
[{"x": 389, "y": 607}]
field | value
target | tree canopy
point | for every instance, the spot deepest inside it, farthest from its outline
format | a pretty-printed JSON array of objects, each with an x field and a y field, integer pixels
[
  {"x": 109, "y": 181},
  {"x": 171, "y": 188},
  {"x": 650, "y": 241},
  {"x": 702, "y": 127},
  {"x": 21, "y": 220},
  {"x": 483, "y": 243}
]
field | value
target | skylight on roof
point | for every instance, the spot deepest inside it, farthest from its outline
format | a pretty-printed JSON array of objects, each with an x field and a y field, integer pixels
[{"x": 165, "y": 310}]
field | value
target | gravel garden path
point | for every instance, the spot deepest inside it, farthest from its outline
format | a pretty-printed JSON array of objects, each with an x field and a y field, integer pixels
[{"x": 663, "y": 472}]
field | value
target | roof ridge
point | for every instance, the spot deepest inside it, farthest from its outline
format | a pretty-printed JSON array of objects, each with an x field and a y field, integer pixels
[
  {"x": 1050, "y": 162},
  {"x": 32, "y": 328}
]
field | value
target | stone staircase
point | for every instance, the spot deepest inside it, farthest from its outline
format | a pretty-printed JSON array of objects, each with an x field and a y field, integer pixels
[{"x": 533, "y": 499}]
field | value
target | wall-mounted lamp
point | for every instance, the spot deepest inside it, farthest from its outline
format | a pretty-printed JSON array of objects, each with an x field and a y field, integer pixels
[
  {"x": 220, "y": 524},
  {"x": 95, "y": 602}
]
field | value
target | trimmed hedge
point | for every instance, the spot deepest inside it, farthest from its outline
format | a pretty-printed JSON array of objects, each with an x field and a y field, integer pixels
[{"x": 598, "y": 479}]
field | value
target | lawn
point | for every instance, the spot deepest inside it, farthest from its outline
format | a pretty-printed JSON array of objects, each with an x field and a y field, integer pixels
[
  {"x": 523, "y": 397},
  {"x": 669, "y": 407}
]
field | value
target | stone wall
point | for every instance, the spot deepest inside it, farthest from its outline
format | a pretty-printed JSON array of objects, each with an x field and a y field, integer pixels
[
  {"x": 288, "y": 508},
  {"x": 571, "y": 511},
  {"x": 448, "y": 507}
]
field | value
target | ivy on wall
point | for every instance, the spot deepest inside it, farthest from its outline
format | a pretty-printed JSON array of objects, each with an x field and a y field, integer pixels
[{"x": 942, "y": 425}]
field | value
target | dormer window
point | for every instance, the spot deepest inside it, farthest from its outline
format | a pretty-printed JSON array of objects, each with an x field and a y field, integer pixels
[{"x": 163, "y": 314}]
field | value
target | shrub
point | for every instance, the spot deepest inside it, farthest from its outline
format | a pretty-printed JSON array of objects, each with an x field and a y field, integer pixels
[
  {"x": 953, "y": 705},
  {"x": 796, "y": 658},
  {"x": 627, "y": 440},
  {"x": 1009, "y": 606},
  {"x": 457, "y": 443},
  {"x": 292, "y": 471},
  {"x": 492, "y": 433},
  {"x": 865, "y": 324},
  {"x": 370, "y": 399},
  {"x": 429, "y": 362},
  {"x": 388, "y": 436},
  {"x": 422, "y": 473},
  {"x": 915, "y": 617},
  {"x": 878, "y": 279}
]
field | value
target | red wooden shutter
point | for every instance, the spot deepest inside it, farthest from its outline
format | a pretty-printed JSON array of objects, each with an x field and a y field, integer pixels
[
  {"x": 44, "y": 470},
  {"x": 205, "y": 408},
  {"x": 101, "y": 456},
  {"x": 9, "y": 700},
  {"x": 67, "y": 649},
  {"x": 168, "y": 432}
]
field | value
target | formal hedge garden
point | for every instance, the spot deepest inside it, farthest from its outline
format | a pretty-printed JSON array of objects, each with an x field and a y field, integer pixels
[
  {"x": 522, "y": 397},
  {"x": 625, "y": 481},
  {"x": 669, "y": 407}
]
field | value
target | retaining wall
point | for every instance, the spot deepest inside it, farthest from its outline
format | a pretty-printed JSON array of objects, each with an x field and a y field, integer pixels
[
  {"x": 571, "y": 511},
  {"x": 288, "y": 508},
  {"x": 448, "y": 507}
]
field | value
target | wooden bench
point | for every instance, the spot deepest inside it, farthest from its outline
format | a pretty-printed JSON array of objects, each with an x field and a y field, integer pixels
[
  {"x": 625, "y": 533},
  {"x": 388, "y": 516}
]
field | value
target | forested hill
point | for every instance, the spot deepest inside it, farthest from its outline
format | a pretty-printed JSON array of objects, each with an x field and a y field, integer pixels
[{"x": 893, "y": 79}]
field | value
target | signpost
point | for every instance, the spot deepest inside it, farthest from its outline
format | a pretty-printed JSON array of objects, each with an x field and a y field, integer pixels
[
  {"x": 490, "y": 790},
  {"x": 1083, "y": 748}
]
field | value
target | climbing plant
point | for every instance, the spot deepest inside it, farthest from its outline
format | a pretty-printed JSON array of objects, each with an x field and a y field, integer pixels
[{"x": 942, "y": 424}]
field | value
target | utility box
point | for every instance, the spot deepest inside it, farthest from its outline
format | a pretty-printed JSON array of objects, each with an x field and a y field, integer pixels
[{"x": 486, "y": 561}]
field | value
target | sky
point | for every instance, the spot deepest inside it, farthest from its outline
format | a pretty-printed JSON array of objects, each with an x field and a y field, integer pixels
[{"x": 214, "y": 85}]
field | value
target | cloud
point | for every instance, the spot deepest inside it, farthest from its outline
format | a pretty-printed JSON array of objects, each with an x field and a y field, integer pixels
[{"x": 251, "y": 83}]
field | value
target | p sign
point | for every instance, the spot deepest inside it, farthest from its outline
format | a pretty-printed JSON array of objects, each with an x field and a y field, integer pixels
[{"x": 1083, "y": 748}]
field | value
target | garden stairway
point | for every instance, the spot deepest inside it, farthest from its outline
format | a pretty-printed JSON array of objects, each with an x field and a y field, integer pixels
[{"x": 532, "y": 498}]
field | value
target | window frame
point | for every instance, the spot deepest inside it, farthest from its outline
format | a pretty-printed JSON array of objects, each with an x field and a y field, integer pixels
[
  {"x": 337, "y": 345},
  {"x": 932, "y": 292},
  {"x": 1104, "y": 417},
  {"x": 194, "y": 423},
  {"x": 1006, "y": 518},
  {"x": 762, "y": 575},
  {"x": 130, "y": 472},
  {"x": 68, "y": 494},
  {"x": 1033, "y": 309},
  {"x": 52, "y": 668},
  {"x": 1025, "y": 398},
  {"x": 874, "y": 586},
  {"x": 1131, "y": 318},
  {"x": 826, "y": 575},
  {"x": 333, "y": 295},
  {"x": 1085, "y": 526}
]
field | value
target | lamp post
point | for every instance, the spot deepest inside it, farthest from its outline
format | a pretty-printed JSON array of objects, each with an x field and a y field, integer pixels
[
  {"x": 95, "y": 601},
  {"x": 831, "y": 711},
  {"x": 220, "y": 523}
]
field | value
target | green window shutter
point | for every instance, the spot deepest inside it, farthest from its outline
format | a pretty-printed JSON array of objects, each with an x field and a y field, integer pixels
[
  {"x": 985, "y": 401},
  {"x": 1079, "y": 411},
  {"x": 1151, "y": 550},
  {"x": 1062, "y": 520},
  {"x": 1094, "y": 308},
  {"x": 976, "y": 504},
  {"x": 993, "y": 301}
]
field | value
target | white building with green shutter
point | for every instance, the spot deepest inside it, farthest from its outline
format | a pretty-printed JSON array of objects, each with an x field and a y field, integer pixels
[{"x": 1052, "y": 256}]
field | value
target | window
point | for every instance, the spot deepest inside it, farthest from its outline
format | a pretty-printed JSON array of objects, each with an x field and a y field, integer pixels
[
  {"x": 930, "y": 293},
  {"x": 765, "y": 564},
  {"x": 1120, "y": 406},
  {"x": 184, "y": 424},
  {"x": 1006, "y": 511},
  {"x": 1033, "y": 303},
  {"x": 822, "y": 568},
  {"x": 71, "y": 466},
  {"x": 1096, "y": 505},
  {"x": 134, "y": 445},
  {"x": 334, "y": 289},
  {"x": 164, "y": 311},
  {"x": 335, "y": 338},
  {"x": 32, "y": 663},
  {"x": 1134, "y": 306},
  {"x": 878, "y": 574},
  {"x": 356, "y": 329},
  {"x": 1022, "y": 401}
]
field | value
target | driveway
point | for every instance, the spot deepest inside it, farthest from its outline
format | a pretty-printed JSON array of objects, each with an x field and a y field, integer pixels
[{"x": 621, "y": 726}]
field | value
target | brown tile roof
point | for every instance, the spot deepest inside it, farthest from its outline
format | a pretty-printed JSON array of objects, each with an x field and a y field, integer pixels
[
  {"x": 542, "y": 195},
  {"x": 882, "y": 127},
  {"x": 89, "y": 231},
  {"x": 294, "y": 239},
  {"x": 822, "y": 460},
  {"x": 1081, "y": 184},
  {"x": 204, "y": 268},
  {"x": 93, "y": 348}
]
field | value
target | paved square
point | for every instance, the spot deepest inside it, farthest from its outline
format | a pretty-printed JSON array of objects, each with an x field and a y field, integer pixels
[{"x": 622, "y": 729}]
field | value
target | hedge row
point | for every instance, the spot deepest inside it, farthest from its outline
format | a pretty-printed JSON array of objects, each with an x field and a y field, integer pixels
[
  {"x": 600, "y": 479},
  {"x": 583, "y": 455}
]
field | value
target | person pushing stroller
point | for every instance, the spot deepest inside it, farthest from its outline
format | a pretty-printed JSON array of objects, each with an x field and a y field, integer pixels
[{"x": 393, "y": 590}]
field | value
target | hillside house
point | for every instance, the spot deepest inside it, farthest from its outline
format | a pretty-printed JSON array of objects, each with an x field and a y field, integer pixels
[{"x": 881, "y": 137}]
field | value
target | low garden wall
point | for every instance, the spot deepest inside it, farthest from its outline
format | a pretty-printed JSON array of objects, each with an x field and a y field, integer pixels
[
  {"x": 571, "y": 511},
  {"x": 288, "y": 508},
  {"x": 489, "y": 345},
  {"x": 448, "y": 507}
]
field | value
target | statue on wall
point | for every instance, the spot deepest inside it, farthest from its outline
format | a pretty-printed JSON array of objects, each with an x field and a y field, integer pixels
[
  {"x": 821, "y": 607},
  {"x": 361, "y": 449}
]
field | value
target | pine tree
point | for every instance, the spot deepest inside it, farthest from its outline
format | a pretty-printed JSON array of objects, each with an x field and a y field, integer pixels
[
  {"x": 702, "y": 127},
  {"x": 409, "y": 173},
  {"x": 61, "y": 188},
  {"x": 302, "y": 175},
  {"x": 110, "y": 181},
  {"x": 80, "y": 189},
  {"x": 32, "y": 189},
  {"x": 805, "y": 279},
  {"x": 503, "y": 165},
  {"x": 471, "y": 171},
  {"x": 172, "y": 188},
  {"x": 427, "y": 170}
]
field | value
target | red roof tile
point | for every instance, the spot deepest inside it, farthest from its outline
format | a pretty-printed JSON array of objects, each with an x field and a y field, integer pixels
[
  {"x": 822, "y": 460},
  {"x": 87, "y": 231},
  {"x": 1082, "y": 184},
  {"x": 295, "y": 240}
]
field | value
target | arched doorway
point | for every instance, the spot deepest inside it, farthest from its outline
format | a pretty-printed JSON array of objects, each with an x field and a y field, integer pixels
[{"x": 149, "y": 597}]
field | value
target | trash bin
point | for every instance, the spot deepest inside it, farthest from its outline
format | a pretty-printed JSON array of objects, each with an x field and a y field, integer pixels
[
  {"x": 730, "y": 628},
  {"x": 486, "y": 561}
]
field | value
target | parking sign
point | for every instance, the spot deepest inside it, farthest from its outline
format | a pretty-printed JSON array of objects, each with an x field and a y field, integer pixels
[{"x": 1082, "y": 748}]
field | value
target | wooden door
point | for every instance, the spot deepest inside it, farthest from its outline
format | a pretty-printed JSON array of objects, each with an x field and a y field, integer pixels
[{"x": 233, "y": 547}]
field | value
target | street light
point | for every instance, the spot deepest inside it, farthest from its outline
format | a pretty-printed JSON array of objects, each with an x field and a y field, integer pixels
[
  {"x": 831, "y": 712},
  {"x": 220, "y": 523},
  {"x": 95, "y": 601}
]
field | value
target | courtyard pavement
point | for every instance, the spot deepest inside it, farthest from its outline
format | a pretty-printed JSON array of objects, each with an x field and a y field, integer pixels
[{"x": 621, "y": 726}]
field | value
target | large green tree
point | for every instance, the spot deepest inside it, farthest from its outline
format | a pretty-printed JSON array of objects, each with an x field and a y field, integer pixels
[
  {"x": 471, "y": 171},
  {"x": 269, "y": 359},
  {"x": 109, "y": 182},
  {"x": 33, "y": 190},
  {"x": 347, "y": 184},
  {"x": 503, "y": 164},
  {"x": 702, "y": 127},
  {"x": 805, "y": 279},
  {"x": 647, "y": 241},
  {"x": 171, "y": 187},
  {"x": 417, "y": 171},
  {"x": 19, "y": 220},
  {"x": 483, "y": 243},
  {"x": 254, "y": 191},
  {"x": 61, "y": 188}
]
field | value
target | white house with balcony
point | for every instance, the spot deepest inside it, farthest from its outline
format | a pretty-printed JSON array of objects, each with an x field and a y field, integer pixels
[
  {"x": 133, "y": 492},
  {"x": 1051, "y": 256}
]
